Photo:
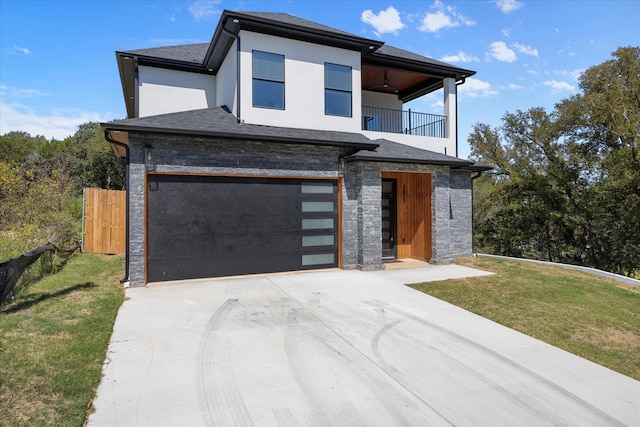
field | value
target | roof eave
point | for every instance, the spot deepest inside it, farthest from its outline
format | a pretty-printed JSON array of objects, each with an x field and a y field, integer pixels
[
  {"x": 441, "y": 70},
  {"x": 461, "y": 164},
  {"x": 235, "y": 135},
  {"x": 222, "y": 41},
  {"x": 127, "y": 70}
]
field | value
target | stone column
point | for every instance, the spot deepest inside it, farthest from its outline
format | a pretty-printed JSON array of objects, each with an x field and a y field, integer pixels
[
  {"x": 451, "y": 111},
  {"x": 135, "y": 222},
  {"x": 369, "y": 219},
  {"x": 441, "y": 218}
]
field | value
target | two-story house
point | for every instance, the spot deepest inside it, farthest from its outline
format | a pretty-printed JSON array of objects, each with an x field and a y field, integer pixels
[{"x": 283, "y": 145}]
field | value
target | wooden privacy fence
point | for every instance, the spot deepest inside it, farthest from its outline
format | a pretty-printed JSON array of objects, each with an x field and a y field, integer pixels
[{"x": 104, "y": 221}]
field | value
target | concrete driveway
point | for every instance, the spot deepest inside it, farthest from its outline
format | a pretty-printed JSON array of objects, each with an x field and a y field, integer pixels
[{"x": 340, "y": 348}]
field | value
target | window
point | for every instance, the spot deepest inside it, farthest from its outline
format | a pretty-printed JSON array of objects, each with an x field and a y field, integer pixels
[
  {"x": 268, "y": 80},
  {"x": 337, "y": 90}
]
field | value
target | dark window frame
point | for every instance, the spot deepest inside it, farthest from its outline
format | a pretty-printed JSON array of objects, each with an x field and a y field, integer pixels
[
  {"x": 255, "y": 79},
  {"x": 337, "y": 90}
]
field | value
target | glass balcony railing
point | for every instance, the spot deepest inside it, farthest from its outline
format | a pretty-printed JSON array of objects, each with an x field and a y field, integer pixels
[{"x": 407, "y": 122}]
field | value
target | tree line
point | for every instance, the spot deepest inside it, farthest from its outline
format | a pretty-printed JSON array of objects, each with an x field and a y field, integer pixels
[
  {"x": 41, "y": 184},
  {"x": 565, "y": 185}
]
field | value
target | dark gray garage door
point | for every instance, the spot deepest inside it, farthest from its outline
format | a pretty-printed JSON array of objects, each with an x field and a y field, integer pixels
[{"x": 203, "y": 226}]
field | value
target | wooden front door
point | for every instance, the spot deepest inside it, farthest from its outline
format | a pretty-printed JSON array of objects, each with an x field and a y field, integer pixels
[{"x": 413, "y": 214}]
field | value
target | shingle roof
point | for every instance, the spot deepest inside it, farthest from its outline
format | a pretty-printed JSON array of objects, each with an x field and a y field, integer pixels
[
  {"x": 195, "y": 53},
  {"x": 287, "y": 19},
  {"x": 389, "y": 151},
  {"x": 216, "y": 122},
  {"x": 192, "y": 53},
  {"x": 394, "y": 52}
]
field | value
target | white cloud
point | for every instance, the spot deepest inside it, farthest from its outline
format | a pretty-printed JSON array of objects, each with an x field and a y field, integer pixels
[
  {"x": 501, "y": 52},
  {"x": 12, "y": 92},
  {"x": 23, "y": 50},
  {"x": 434, "y": 22},
  {"x": 508, "y": 6},
  {"x": 527, "y": 50},
  {"x": 387, "y": 21},
  {"x": 204, "y": 8},
  {"x": 558, "y": 86},
  {"x": 475, "y": 88},
  {"x": 443, "y": 17},
  {"x": 460, "y": 57},
  {"x": 574, "y": 74},
  {"x": 57, "y": 124},
  {"x": 514, "y": 86},
  {"x": 506, "y": 32},
  {"x": 430, "y": 103},
  {"x": 460, "y": 17}
]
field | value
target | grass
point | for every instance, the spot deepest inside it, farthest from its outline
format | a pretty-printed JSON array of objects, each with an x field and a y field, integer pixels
[
  {"x": 592, "y": 317},
  {"x": 53, "y": 341}
]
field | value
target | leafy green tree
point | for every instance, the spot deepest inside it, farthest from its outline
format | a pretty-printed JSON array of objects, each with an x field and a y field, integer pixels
[
  {"x": 18, "y": 147},
  {"x": 566, "y": 184},
  {"x": 90, "y": 159},
  {"x": 41, "y": 182}
]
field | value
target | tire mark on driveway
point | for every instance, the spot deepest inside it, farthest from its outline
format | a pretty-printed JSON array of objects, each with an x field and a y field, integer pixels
[
  {"x": 403, "y": 409},
  {"x": 390, "y": 370},
  {"x": 521, "y": 402},
  {"x": 322, "y": 411},
  {"x": 220, "y": 399}
]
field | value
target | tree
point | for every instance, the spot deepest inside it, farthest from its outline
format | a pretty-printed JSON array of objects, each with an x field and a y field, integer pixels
[
  {"x": 91, "y": 160},
  {"x": 16, "y": 147},
  {"x": 566, "y": 184},
  {"x": 41, "y": 182}
]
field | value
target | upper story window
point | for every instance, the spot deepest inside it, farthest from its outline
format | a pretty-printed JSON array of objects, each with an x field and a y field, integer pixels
[
  {"x": 268, "y": 80},
  {"x": 337, "y": 90}
]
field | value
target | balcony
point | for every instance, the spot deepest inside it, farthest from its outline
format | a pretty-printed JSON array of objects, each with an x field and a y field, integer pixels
[{"x": 404, "y": 122}]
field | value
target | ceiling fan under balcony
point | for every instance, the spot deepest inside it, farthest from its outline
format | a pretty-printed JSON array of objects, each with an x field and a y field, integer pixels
[{"x": 386, "y": 84}]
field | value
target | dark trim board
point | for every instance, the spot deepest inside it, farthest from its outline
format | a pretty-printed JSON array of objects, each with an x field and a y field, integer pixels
[{"x": 200, "y": 226}]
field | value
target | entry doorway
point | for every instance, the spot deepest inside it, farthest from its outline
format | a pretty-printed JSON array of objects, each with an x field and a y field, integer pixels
[
  {"x": 389, "y": 222},
  {"x": 409, "y": 215}
]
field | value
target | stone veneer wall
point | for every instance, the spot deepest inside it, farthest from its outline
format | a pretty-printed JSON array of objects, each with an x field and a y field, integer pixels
[
  {"x": 361, "y": 191},
  {"x": 180, "y": 154},
  {"x": 364, "y": 216},
  {"x": 450, "y": 209},
  {"x": 461, "y": 230}
]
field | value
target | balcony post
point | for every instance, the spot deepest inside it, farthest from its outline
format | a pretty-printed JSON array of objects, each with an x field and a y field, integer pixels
[{"x": 451, "y": 110}]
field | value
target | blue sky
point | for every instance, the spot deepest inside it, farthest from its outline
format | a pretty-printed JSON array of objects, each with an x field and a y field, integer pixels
[{"x": 58, "y": 68}]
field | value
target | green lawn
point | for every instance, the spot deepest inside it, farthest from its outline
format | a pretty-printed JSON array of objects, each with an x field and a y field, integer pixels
[
  {"x": 593, "y": 317},
  {"x": 53, "y": 341}
]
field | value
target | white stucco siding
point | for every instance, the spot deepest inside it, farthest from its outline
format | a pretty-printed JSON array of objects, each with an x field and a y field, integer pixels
[
  {"x": 226, "y": 88},
  {"x": 381, "y": 100},
  {"x": 439, "y": 145},
  {"x": 163, "y": 91},
  {"x": 304, "y": 84}
]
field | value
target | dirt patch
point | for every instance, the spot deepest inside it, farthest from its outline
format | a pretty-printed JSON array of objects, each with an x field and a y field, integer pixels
[{"x": 607, "y": 337}]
